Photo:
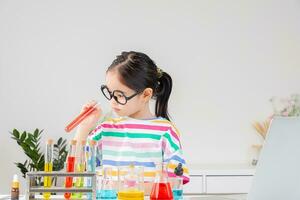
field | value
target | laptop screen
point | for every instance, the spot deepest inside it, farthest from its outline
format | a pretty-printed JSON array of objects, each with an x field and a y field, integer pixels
[{"x": 278, "y": 171}]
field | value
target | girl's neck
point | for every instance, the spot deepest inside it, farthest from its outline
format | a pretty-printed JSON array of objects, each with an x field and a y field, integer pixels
[{"x": 143, "y": 114}]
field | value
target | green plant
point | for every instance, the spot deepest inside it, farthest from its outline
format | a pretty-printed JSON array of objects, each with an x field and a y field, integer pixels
[{"x": 30, "y": 143}]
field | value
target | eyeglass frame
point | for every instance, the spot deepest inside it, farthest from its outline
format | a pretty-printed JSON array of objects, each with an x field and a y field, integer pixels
[{"x": 127, "y": 98}]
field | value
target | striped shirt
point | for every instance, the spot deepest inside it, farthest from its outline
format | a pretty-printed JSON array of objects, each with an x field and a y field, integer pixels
[{"x": 125, "y": 141}]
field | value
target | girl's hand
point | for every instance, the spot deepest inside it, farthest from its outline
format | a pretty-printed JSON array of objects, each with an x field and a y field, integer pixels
[{"x": 90, "y": 121}]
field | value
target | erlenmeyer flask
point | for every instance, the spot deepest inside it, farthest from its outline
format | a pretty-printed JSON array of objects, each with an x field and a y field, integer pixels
[
  {"x": 107, "y": 185},
  {"x": 161, "y": 188}
]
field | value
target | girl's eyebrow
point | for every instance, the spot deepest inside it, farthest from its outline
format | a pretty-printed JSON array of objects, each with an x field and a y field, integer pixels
[
  {"x": 121, "y": 91},
  {"x": 116, "y": 90}
]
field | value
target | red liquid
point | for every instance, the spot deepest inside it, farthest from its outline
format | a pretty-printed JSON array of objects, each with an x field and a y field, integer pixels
[
  {"x": 69, "y": 180},
  {"x": 79, "y": 119},
  {"x": 161, "y": 191}
]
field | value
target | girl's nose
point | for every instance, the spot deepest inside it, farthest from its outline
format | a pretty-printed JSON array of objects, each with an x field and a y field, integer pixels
[{"x": 113, "y": 102}]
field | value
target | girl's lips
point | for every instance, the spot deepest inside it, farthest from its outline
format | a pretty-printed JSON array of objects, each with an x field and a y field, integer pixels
[{"x": 116, "y": 109}]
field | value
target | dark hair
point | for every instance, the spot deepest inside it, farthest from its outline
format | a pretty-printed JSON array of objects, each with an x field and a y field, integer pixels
[{"x": 138, "y": 72}]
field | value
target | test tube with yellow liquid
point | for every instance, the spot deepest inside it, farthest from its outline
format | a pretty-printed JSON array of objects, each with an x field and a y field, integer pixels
[
  {"x": 48, "y": 167},
  {"x": 80, "y": 167}
]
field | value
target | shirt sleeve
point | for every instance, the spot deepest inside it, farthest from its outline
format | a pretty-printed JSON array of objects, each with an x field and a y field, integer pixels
[{"x": 173, "y": 155}]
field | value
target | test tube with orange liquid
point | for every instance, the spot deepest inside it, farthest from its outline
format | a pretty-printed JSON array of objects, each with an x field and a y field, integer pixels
[{"x": 80, "y": 118}]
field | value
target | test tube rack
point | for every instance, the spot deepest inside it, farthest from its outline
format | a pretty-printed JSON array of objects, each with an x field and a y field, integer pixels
[{"x": 31, "y": 189}]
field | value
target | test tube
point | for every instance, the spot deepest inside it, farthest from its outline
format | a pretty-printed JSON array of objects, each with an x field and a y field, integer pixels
[
  {"x": 91, "y": 163},
  {"x": 80, "y": 118},
  {"x": 48, "y": 166},
  {"x": 70, "y": 166},
  {"x": 80, "y": 167}
]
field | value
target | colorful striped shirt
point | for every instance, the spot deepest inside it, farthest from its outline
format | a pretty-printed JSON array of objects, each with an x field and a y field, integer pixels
[{"x": 125, "y": 141}]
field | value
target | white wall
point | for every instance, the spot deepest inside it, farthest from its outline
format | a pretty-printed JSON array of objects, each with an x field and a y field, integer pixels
[{"x": 227, "y": 58}]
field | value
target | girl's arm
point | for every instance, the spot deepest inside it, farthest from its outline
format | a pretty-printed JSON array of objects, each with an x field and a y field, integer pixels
[
  {"x": 173, "y": 155},
  {"x": 88, "y": 124}
]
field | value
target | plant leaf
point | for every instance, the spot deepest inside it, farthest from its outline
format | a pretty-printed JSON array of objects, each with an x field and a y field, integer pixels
[
  {"x": 36, "y": 133},
  {"x": 16, "y": 133},
  {"x": 59, "y": 141},
  {"x": 23, "y": 136},
  {"x": 23, "y": 168}
]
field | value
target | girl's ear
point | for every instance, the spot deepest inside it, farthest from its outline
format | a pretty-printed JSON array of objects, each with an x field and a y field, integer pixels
[{"x": 147, "y": 94}]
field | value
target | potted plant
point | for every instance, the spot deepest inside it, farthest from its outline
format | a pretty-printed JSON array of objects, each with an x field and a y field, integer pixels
[{"x": 30, "y": 144}]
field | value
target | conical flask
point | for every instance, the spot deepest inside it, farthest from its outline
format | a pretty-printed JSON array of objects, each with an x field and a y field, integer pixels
[
  {"x": 161, "y": 189},
  {"x": 107, "y": 190}
]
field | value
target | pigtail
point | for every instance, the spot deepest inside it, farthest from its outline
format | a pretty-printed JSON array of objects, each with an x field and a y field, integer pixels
[{"x": 163, "y": 93}]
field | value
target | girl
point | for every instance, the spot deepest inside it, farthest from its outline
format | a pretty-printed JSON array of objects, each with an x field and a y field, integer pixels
[{"x": 138, "y": 136}]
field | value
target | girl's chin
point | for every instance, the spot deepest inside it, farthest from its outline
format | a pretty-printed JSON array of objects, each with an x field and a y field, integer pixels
[{"x": 119, "y": 113}]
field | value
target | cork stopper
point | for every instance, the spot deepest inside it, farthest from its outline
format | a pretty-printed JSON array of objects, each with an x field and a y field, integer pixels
[
  {"x": 15, "y": 182},
  {"x": 73, "y": 142},
  {"x": 83, "y": 142},
  {"x": 93, "y": 142},
  {"x": 50, "y": 141}
]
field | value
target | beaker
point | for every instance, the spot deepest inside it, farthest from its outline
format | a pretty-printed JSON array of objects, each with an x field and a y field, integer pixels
[
  {"x": 131, "y": 182},
  {"x": 177, "y": 187}
]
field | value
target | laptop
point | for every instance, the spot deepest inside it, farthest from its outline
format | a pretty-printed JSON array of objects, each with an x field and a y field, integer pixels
[{"x": 277, "y": 174}]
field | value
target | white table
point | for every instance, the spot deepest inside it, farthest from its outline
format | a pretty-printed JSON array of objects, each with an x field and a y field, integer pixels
[
  {"x": 186, "y": 197},
  {"x": 219, "y": 179}
]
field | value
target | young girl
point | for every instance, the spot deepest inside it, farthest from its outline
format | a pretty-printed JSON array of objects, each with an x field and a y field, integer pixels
[{"x": 138, "y": 136}]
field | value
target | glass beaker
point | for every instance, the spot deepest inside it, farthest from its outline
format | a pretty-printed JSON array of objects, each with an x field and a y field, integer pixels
[
  {"x": 131, "y": 182},
  {"x": 177, "y": 187},
  {"x": 161, "y": 188}
]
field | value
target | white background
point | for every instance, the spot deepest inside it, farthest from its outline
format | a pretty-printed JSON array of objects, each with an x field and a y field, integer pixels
[{"x": 227, "y": 59}]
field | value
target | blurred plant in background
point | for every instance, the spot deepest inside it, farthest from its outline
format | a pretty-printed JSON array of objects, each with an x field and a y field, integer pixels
[
  {"x": 286, "y": 107},
  {"x": 262, "y": 127},
  {"x": 282, "y": 107}
]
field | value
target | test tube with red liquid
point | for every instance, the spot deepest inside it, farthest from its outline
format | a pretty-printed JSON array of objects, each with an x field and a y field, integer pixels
[
  {"x": 80, "y": 118},
  {"x": 70, "y": 166}
]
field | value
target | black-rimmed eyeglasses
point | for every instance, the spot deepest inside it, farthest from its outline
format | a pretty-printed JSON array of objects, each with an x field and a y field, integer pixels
[{"x": 118, "y": 95}]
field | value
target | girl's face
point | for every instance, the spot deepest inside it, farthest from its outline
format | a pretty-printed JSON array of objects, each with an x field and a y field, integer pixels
[{"x": 134, "y": 105}]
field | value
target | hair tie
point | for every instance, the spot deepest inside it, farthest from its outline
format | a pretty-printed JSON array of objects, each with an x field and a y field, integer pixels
[{"x": 159, "y": 72}]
